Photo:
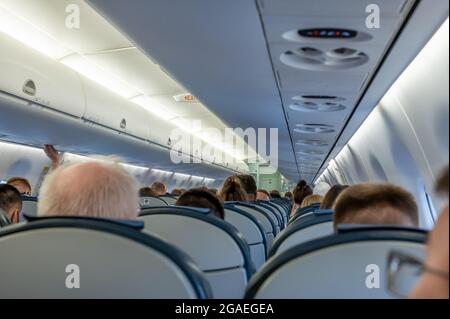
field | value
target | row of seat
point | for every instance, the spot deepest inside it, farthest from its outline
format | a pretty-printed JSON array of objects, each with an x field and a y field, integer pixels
[{"x": 117, "y": 260}]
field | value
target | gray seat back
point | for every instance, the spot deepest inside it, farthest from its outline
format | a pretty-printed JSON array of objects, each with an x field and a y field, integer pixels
[
  {"x": 349, "y": 265},
  {"x": 150, "y": 201},
  {"x": 273, "y": 211},
  {"x": 219, "y": 249},
  {"x": 305, "y": 229},
  {"x": 29, "y": 207},
  {"x": 252, "y": 231},
  {"x": 170, "y": 200},
  {"x": 263, "y": 219},
  {"x": 95, "y": 259},
  {"x": 280, "y": 209}
]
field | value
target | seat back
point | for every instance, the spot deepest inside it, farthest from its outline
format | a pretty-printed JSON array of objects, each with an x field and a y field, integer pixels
[
  {"x": 29, "y": 207},
  {"x": 95, "y": 259},
  {"x": 262, "y": 210},
  {"x": 262, "y": 218},
  {"x": 273, "y": 211},
  {"x": 303, "y": 230},
  {"x": 170, "y": 200},
  {"x": 349, "y": 265},
  {"x": 4, "y": 220},
  {"x": 280, "y": 209},
  {"x": 253, "y": 233},
  {"x": 304, "y": 211},
  {"x": 151, "y": 201},
  {"x": 219, "y": 249}
]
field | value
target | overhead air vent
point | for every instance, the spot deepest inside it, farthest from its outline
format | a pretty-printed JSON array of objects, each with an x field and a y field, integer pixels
[
  {"x": 326, "y": 34},
  {"x": 317, "y": 143},
  {"x": 308, "y": 58},
  {"x": 310, "y": 152},
  {"x": 319, "y": 98},
  {"x": 314, "y": 128},
  {"x": 309, "y": 106}
]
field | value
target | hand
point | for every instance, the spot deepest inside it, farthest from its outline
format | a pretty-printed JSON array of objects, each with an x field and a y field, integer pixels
[{"x": 52, "y": 154}]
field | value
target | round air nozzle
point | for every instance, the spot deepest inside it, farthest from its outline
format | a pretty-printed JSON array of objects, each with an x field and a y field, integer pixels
[
  {"x": 308, "y": 58},
  {"x": 308, "y": 106},
  {"x": 314, "y": 128}
]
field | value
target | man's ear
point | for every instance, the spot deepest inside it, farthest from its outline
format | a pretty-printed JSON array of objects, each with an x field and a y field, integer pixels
[{"x": 14, "y": 215}]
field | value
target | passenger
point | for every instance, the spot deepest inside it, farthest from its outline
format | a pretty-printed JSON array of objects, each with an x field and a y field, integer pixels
[
  {"x": 330, "y": 197},
  {"x": 159, "y": 188},
  {"x": 10, "y": 202},
  {"x": 376, "y": 204},
  {"x": 311, "y": 200},
  {"x": 94, "y": 189},
  {"x": 433, "y": 284},
  {"x": 176, "y": 192},
  {"x": 147, "y": 192},
  {"x": 200, "y": 198},
  {"x": 53, "y": 155},
  {"x": 275, "y": 194},
  {"x": 321, "y": 189},
  {"x": 289, "y": 196},
  {"x": 262, "y": 194},
  {"x": 183, "y": 190},
  {"x": 249, "y": 184},
  {"x": 233, "y": 191},
  {"x": 301, "y": 191},
  {"x": 21, "y": 184}
]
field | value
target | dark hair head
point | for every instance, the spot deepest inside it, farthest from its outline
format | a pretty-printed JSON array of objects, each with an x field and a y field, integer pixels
[
  {"x": 233, "y": 191},
  {"x": 147, "y": 192},
  {"x": 215, "y": 191},
  {"x": 9, "y": 197},
  {"x": 201, "y": 198},
  {"x": 175, "y": 192},
  {"x": 301, "y": 191},
  {"x": 275, "y": 194},
  {"x": 288, "y": 195},
  {"x": 249, "y": 184},
  {"x": 376, "y": 204},
  {"x": 159, "y": 188},
  {"x": 332, "y": 194}
]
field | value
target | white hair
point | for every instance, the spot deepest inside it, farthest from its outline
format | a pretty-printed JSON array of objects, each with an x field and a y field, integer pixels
[
  {"x": 321, "y": 189},
  {"x": 98, "y": 188}
]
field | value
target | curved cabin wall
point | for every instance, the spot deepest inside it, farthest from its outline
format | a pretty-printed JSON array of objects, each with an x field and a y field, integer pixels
[{"x": 405, "y": 139}]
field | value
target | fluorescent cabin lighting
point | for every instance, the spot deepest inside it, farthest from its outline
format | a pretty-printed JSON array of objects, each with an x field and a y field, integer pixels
[{"x": 97, "y": 74}]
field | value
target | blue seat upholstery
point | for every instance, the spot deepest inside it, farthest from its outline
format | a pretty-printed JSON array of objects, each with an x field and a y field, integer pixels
[
  {"x": 263, "y": 218},
  {"x": 253, "y": 232},
  {"x": 273, "y": 211},
  {"x": 302, "y": 230},
  {"x": 216, "y": 246},
  {"x": 44, "y": 258},
  {"x": 151, "y": 201},
  {"x": 304, "y": 211},
  {"x": 337, "y": 266},
  {"x": 272, "y": 216},
  {"x": 280, "y": 209}
]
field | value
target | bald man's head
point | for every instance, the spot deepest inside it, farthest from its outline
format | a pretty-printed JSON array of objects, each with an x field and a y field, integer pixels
[{"x": 95, "y": 189}]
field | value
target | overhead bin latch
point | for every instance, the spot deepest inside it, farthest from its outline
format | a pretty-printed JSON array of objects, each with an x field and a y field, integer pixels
[
  {"x": 123, "y": 124},
  {"x": 29, "y": 88}
]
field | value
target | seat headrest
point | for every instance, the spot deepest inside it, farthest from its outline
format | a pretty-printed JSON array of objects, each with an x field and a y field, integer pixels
[
  {"x": 4, "y": 219},
  {"x": 350, "y": 228},
  {"x": 134, "y": 224}
]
